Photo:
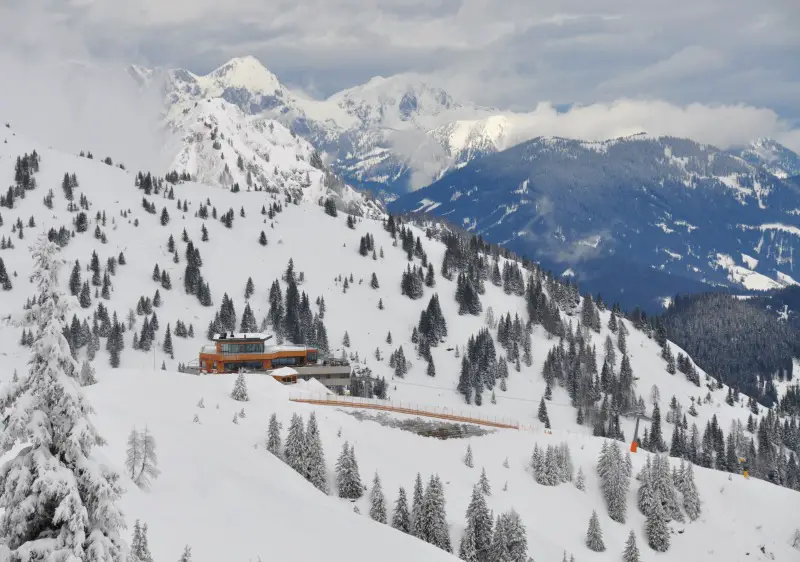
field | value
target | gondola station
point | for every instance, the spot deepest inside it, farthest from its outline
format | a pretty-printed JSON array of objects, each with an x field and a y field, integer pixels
[{"x": 237, "y": 352}]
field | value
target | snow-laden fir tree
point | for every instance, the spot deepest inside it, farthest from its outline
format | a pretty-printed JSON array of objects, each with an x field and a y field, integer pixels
[
  {"x": 691, "y": 499},
  {"x": 87, "y": 376},
  {"x": 614, "y": 480},
  {"x": 239, "y": 391},
  {"x": 187, "y": 554},
  {"x": 316, "y": 471},
  {"x": 467, "y": 550},
  {"x": 296, "y": 448},
  {"x": 139, "y": 549},
  {"x": 631, "y": 552},
  {"x": 401, "y": 519},
  {"x": 516, "y": 536},
  {"x": 483, "y": 483},
  {"x": 580, "y": 480},
  {"x": 499, "y": 546},
  {"x": 274, "y": 436},
  {"x": 348, "y": 480},
  {"x": 57, "y": 501},
  {"x": 416, "y": 508},
  {"x": 434, "y": 517},
  {"x": 468, "y": 460},
  {"x": 542, "y": 415},
  {"x": 594, "y": 535},
  {"x": 657, "y": 528},
  {"x": 377, "y": 502},
  {"x": 480, "y": 520}
]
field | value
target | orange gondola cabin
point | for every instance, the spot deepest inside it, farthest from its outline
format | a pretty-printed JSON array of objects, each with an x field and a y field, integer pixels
[{"x": 231, "y": 353}]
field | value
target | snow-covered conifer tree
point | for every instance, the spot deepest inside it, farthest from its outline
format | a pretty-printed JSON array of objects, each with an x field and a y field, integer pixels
[
  {"x": 594, "y": 535},
  {"x": 57, "y": 501},
  {"x": 296, "y": 449},
  {"x": 87, "y": 374},
  {"x": 483, "y": 483},
  {"x": 480, "y": 520},
  {"x": 691, "y": 499},
  {"x": 316, "y": 471},
  {"x": 401, "y": 519},
  {"x": 416, "y": 508},
  {"x": 467, "y": 551},
  {"x": 240, "y": 389},
  {"x": 468, "y": 460},
  {"x": 631, "y": 552},
  {"x": 434, "y": 516},
  {"x": 377, "y": 503},
  {"x": 348, "y": 480},
  {"x": 516, "y": 537},
  {"x": 657, "y": 528},
  {"x": 274, "y": 436},
  {"x": 499, "y": 546},
  {"x": 187, "y": 554},
  {"x": 580, "y": 480}
]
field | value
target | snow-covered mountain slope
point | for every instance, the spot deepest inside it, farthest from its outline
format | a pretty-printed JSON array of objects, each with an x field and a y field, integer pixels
[
  {"x": 662, "y": 205},
  {"x": 224, "y": 494},
  {"x": 372, "y": 131},
  {"x": 772, "y": 156},
  {"x": 227, "y": 489},
  {"x": 217, "y": 144}
]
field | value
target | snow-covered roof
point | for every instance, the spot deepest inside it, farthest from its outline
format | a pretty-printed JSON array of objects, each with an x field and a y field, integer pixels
[
  {"x": 242, "y": 336},
  {"x": 276, "y": 348},
  {"x": 283, "y": 372}
]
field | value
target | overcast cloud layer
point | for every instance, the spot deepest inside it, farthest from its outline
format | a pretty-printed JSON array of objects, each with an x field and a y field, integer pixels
[{"x": 724, "y": 72}]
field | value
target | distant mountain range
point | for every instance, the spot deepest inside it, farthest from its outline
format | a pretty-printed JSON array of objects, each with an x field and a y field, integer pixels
[{"x": 637, "y": 218}]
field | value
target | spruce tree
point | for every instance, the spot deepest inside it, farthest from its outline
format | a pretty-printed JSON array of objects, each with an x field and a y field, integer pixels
[
  {"x": 467, "y": 551},
  {"x": 542, "y": 416},
  {"x": 416, "y": 508},
  {"x": 401, "y": 519},
  {"x": 631, "y": 552},
  {"x": 168, "y": 343},
  {"x": 594, "y": 535},
  {"x": 468, "y": 460},
  {"x": 483, "y": 483},
  {"x": 434, "y": 516},
  {"x": 377, "y": 510},
  {"x": 239, "y": 391},
  {"x": 657, "y": 528},
  {"x": 480, "y": 520},
  {"x": 274, "y": 436},
  {"x": 348, "y": 479},
  {"x": 316, "y": 471},
  {"x": 63, "y": 508},
  {"x": 295, "y": 451}
]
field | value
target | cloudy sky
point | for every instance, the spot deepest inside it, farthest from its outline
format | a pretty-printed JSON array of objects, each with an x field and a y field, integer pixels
[{"x": 732, "y": 59}]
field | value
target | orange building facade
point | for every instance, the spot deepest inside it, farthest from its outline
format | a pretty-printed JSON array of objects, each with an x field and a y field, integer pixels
[{"x": 230, "y": 353}]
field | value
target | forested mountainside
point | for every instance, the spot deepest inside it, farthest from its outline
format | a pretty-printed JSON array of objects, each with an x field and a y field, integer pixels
[
  {"x": 618, "y": 215},
  {"x": 735, "y": 340},
  {"x": 427, "y": 316}
]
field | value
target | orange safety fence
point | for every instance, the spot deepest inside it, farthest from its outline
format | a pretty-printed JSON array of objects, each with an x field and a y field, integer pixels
[{"x": 412, "y": 409}]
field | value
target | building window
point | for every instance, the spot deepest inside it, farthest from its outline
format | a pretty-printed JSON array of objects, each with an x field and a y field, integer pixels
[
  {"x": 237, "y": 348},
  {"x": 312, "y": 356},
  {"x": 281, "y": 361}
]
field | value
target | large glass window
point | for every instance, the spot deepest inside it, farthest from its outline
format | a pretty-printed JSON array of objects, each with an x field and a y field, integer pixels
[
  {"x": 312, "y": 356},
  {"x": 242, "y": 348},
  {"x": 281, "y": 361}
]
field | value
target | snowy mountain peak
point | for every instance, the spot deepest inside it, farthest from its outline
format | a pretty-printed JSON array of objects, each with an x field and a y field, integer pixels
[
  {"x": 245, "y": 72},
  {"x": 772, "y": 156},
  {"x": 395, "y": 102}
]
